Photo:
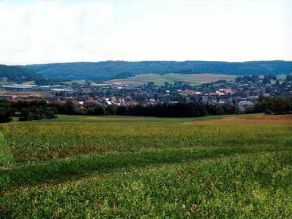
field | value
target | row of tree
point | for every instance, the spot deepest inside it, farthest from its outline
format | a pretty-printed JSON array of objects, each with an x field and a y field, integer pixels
[
  {"x": 26, "y": 110},
  {"x": 194, "y": 109},
  {"x": 178, "y": 110},
  {"x": 37, "y": 110},
  {"x": 269, "y": 105},
  {"x": 273, "y": 105}
]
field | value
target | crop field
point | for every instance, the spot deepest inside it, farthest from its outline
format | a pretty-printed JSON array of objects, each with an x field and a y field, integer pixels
[
  {"x": 137, "y": 167},
  {"x": 159, "y": 79}
]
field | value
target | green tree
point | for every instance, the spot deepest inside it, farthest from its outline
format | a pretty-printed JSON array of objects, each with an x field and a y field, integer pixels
[{"x": 4, "y": 111}]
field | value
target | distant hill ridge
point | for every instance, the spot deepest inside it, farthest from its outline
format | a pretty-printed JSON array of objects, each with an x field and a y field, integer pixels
[
  {"x": 18, "y": 74},
  {"x": 121, "y": 69}
]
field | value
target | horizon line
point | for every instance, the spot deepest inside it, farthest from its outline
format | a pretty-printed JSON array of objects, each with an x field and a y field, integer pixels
[{"x": 135, "y": 61}]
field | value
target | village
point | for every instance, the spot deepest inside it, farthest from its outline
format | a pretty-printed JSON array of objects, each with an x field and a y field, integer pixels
[{"x": 243, "y": 92}]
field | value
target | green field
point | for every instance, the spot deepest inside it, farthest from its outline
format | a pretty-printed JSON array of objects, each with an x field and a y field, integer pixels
[
  {"x": 159, "y": 79},
  {"x": 136, "y": 167}
]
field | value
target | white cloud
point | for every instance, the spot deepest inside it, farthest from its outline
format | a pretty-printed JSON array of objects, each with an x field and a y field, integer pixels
[
  {"x": 91, "y": 30},
  {"x": 51, "y": 30}
]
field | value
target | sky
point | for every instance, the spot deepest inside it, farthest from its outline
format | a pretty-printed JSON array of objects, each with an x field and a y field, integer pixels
[{"x": 48, "y": 31}]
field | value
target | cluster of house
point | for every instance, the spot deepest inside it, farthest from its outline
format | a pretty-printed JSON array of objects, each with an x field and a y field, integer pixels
[
  {"x": 221, "y": 96},
  {"x": 244, "y": 92}
]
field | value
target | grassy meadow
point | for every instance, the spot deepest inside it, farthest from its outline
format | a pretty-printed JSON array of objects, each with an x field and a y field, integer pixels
[
  {"x": 137, "y": 167},
  {"x": 159, "y": 79}
]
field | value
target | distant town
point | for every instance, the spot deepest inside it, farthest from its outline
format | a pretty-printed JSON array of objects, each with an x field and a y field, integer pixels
[{"x": 243, "y": 92}]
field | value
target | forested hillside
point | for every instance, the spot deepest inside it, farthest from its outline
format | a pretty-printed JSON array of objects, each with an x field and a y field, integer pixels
[
  {"x": 18, "y": 74},
  {"x": 121, "y": 69}
]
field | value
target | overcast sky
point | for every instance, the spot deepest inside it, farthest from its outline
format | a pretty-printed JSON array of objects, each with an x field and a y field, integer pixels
[{"x": 45, "y": 31}]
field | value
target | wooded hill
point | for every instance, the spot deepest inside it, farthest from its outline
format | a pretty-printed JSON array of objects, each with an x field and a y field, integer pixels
[
  {"x": 18, "y": 74},
  {"x": 122, "y": 69}
]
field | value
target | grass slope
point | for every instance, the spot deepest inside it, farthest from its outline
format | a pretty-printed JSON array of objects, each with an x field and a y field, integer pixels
[
  {"x": 159, "y": 79},
  {"x": 106, "y": 167}
]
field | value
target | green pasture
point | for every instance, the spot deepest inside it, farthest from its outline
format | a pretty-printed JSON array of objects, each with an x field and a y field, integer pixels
[
  {"x": 137, "y": 167},
  {"x": 159, "y": 79}
]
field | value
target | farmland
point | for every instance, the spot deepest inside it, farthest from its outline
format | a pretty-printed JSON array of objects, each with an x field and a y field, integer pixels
[
  {"x": 100, "y": 167},
  {"x": 159, "y": 79}
]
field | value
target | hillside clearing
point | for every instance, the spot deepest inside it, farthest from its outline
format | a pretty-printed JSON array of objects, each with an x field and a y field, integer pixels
[{"x": 159, "y": 79}]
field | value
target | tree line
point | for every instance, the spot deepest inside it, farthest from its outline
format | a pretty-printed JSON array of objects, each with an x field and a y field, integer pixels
[
  {"x": 268, "y": 105},
  {"x": 273, "y": 105},
  {"x": 37, "y": 110},
  {"x": 26, "y": 110}
]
